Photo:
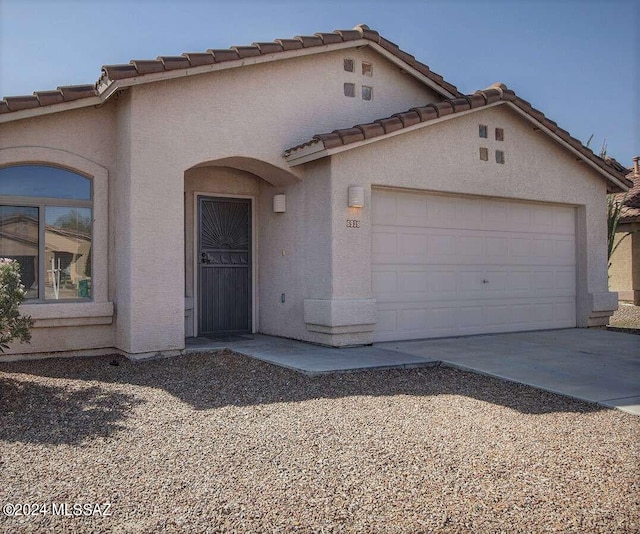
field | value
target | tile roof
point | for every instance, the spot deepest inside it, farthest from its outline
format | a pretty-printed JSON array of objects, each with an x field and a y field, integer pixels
[
  {"x": 136, "y": 68},
  {"x": 631, "y": 200},
  {"x": 496, "y": 93}
]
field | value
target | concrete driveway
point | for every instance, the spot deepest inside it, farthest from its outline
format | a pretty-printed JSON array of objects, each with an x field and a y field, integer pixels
[{"x": 592, "y": 365}]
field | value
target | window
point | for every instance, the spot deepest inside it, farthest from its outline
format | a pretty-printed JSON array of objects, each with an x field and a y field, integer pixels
[
  {"x": 46, "y": 221},
  {"x": 349, "y": 65},
  {"x": 499, "y": 156},
  {"x": 482, "y": 130},
  {"x": 349, "y": 89},
  {"x": 499, "y": 134},
  {"x": 367, "y": 69},
  {"x": 484, "y": 153},
  {"x": 367, "y": 93}
]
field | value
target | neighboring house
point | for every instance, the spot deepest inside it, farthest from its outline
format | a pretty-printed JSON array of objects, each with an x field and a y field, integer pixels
[
  {"x": 624, "y": 271},
  {"x": 219, "y": 205}
]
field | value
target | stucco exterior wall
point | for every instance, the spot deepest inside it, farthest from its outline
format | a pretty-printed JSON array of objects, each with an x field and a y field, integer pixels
[
  {"x": 253, "y": 112},
  {"x": 624, "y": 273},
  {"x": 444, "y": 157},
  {"x": 80, "y": 140}
]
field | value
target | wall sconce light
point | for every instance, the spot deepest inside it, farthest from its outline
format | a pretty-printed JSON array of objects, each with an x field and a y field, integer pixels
[
  {"x": 356, "y": 196},
  {"x": 279, "y": 203}
]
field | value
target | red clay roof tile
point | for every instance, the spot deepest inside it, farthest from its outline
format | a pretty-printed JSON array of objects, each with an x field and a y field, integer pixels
[
  {"x": 309, "y": 40},
  {"x": 408, "y": 118},
  {"x": 372, "y": 129},
  {"x": 476, "y": 100},
  {"x": 349, "y": 35},
  {"x": 147, "y": 66},
  {"x": 443, "y": 108},
  {"x": 390, "y": 124},
  {"x": 119, "y": 72},
  {"x": 223, "y": 54},
  {"x": 432, "y": 111},
  {"x": 22, "y": 102},
  {"x": 268, "y": 48},
  {"x": 350, "y": 135},
  {"x": 246, "y": 51},
  {"x": 47, "y": 98},
  {"x": 174, "y": 62},
  {"x": 75, "y": 92},
  {"x": 368, "y": 33},
  {"x": 329, "y": 38},
  {"x": 111, "y": 73},
  {"x": 329, "y": 140},
  {"x": 197, "y": 59},
  {"x": 426, "y": 113},
  {"x": 460, "y": 104},
  {"x": 289, "y": 44}
]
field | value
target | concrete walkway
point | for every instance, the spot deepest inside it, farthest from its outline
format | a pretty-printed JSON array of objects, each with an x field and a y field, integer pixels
[{"x": 592, "y": 365}]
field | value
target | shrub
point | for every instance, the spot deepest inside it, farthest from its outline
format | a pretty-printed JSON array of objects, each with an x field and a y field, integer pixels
[{"x": 13, "y": 326}]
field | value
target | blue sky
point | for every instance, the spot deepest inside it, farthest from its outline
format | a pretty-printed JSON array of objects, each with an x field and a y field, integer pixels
[{"x": 575, "y": 60}]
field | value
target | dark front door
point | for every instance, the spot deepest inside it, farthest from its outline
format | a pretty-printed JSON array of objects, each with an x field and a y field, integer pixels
[{"x": 224, "y": 253}]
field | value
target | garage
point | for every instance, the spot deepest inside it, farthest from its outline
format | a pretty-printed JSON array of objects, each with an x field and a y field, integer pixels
[{"x": 449, "y": 265}]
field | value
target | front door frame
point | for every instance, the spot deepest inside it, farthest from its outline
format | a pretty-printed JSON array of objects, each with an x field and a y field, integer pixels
[{"x": 196, "y": 256}]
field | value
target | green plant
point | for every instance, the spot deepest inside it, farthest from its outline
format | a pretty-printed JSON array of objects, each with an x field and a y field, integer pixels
[{"x": 13, "y": 325}]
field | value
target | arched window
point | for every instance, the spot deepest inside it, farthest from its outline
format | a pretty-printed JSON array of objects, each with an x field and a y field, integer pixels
[{"x": 46, "y": 225}]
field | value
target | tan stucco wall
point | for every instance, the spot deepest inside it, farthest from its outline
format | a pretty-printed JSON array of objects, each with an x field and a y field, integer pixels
[
  {"x": 81, "y": 140},
  {"x": 445, "y": 157},
  {"x": 624, "y": 272},
  {"x": 253, "y": 112},
  {"x": 151, "y": 137}
]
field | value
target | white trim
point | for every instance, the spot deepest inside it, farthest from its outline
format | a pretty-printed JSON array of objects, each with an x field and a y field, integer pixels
[
  {"x": 571, "y": 149},
  {"x": 254, "y": 256},
  {"x": 318, "y": 151}
]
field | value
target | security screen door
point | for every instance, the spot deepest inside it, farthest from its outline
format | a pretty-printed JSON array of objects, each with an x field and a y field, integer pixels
[{"x": 224, "y": 266}]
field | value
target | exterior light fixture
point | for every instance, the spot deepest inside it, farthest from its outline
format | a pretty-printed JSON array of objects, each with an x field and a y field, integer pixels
[
  {"x": 356, "y": 196},
  {"x": 279, "y": 203}
]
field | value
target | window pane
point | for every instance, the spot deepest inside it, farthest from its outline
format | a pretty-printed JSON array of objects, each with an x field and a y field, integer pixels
[
  {"x": 19, "y": 241},
  {"x": 67, "y": 244},
  {"x": 43, "y": 181}
]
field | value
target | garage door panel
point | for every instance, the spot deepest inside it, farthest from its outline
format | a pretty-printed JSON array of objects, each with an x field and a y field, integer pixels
[{"x": 512, "y": 267}]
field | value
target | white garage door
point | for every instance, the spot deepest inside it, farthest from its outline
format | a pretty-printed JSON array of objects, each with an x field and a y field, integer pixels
[{"x": 449, "y": 265}]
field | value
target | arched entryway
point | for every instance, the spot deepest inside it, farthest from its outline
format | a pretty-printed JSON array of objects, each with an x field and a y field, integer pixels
[{"x": 222, "y": 210}]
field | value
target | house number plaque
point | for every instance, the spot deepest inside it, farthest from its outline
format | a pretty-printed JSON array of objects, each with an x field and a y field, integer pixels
[{"x": 353, "y": 223}]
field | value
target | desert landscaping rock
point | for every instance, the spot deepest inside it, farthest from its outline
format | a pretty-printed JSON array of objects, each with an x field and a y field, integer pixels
[
  {"x": 224, "y": 443},
  {"x": 627, "y": 316}
]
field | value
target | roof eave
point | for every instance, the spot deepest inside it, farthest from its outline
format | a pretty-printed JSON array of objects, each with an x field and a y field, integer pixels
[
  {"x": 106, "y": 90},
  {"x": 52, "y": 108},
  {"x": 293, "y": 159},
  {"x": 608, "y": 176}
]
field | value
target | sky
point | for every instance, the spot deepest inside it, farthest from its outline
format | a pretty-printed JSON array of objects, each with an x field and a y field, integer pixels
[{"x": 575, "y": 60}]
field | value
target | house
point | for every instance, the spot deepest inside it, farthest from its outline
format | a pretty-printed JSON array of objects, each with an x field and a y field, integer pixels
[
  {"x": 328, "y": 188},
  {"x": 624, "y": 268}
]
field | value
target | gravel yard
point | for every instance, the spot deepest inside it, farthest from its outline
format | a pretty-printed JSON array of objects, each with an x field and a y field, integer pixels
[
  {"x": 221, "y": 442},
  {"x": 627, "y": 316}
]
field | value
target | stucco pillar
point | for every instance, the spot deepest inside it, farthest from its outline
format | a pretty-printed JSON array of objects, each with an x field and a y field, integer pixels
[{"x": 347, "y": 315}]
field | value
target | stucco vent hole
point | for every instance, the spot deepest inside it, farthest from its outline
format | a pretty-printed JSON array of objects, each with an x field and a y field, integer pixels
[
  {"x": 350, "y": 89},
  {"x": 367, "y": 93},
  {"x": 348, "y": 65},
  {"x": 484, "y": 153},
  {"x": 499, "y": 134},
  {"x": 367, "y": 69},
  {"x": 499, "y": 156},
  {"x": 482, "y": 130}
]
